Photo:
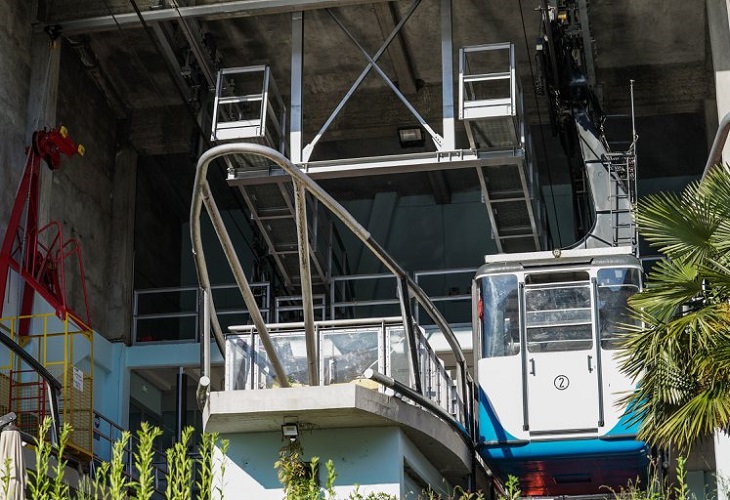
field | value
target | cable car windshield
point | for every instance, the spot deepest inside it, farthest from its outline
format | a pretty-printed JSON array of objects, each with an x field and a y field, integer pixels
[{"x": 558, "y": 310}]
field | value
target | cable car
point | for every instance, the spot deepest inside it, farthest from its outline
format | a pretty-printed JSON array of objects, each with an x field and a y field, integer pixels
[{"x": 546, "y": 328}]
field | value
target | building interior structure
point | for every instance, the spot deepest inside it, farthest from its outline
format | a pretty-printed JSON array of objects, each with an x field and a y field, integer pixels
[{"x": 135, "y": 82}]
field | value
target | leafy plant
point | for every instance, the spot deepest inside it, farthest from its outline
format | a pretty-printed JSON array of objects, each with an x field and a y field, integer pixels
[
  {"x": 512, "y": 488},
  {"x": 40, "y": 484},
  {"x": 96, "y": 488},
  {"x": 5, "y": 477},
  {"x": 681, "y": 356},
  {"x": 180, "y": 469},
  {"x": 143, "y": 458},
  {"x": 59, "y": 489},
  {"x": 118, "y": 481}
]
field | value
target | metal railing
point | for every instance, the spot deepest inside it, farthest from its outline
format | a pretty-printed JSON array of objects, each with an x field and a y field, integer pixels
[
  {"x": 344, "y": 292},
  {"x": 450, "y": 289},
  {"x": 47, "y": 388},
  {"x": 347, "y": 348},
  {"x": 484, "y": 92},
  {"x": 171, "y": 314},
  {"x": 106, "y": 434}
]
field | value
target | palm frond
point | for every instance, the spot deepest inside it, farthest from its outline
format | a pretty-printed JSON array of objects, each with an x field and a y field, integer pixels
[
  {"x": 715, "y": 187},
  {"x": 677, "y": 225}
]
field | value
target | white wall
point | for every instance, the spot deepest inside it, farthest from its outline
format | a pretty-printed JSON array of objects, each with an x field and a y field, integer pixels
[{"x": 369, "y": 459}]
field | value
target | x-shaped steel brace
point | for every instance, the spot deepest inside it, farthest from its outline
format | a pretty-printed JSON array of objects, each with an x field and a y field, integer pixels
[{"x": 372, "y": 63}]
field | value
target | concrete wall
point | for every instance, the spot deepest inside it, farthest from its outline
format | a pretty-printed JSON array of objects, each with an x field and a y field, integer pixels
[
  {"x": 369, "y": 459},
  {"x": 15, "y": 61},
  {"x": 81, "y": 192}
]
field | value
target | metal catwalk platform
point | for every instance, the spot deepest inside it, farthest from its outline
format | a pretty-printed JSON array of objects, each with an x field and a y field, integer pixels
[{"x": 249, "y": 108}]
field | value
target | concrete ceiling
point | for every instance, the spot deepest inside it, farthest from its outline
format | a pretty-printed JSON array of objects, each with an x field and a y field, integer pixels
[{"x": 142, "y": 66}]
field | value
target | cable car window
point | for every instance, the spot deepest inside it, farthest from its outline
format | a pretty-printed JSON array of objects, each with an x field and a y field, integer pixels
[
  {"x": 615, "y": 286},
  {"x": 500, "y": 316},
  {"x": 559, "y": 315}
]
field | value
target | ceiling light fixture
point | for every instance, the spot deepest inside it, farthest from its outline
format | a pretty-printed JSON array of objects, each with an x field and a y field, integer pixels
[
  {"x": 290, "y": 431},
  {"x": 411, "y": 137}
]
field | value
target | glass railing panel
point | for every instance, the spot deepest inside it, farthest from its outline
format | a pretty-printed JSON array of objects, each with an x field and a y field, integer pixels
[
  {"x": 347, "y": 354},
  {"x": 291, "y": 350},
  {"x": 239, "y": 358},
  {"x": 397, "y": 367}
]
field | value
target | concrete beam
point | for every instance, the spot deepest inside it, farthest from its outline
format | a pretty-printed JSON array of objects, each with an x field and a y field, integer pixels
[
  {"x": 334, "y": 407},
  {"x": 221, "y": 10}
]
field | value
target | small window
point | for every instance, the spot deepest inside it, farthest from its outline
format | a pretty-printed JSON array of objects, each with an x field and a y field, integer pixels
[
  {"x": 501, "y": 316},
  {"x": 615, "y": 286}
]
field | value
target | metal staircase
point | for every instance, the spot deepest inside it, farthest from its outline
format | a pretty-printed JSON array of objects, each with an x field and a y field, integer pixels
[
  {"x": 248, "y": 107},
  {"x": 491, "y": 107}
]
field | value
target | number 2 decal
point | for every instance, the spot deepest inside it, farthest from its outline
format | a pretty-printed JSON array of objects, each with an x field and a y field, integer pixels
[{"x": 561, "y": 382}]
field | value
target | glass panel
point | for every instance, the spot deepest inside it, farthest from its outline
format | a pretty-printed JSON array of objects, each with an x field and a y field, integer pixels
[
  {"x": 500, "y": 311},
  {"x": 398, "y": 360},
  {"x": 615, "y": 286},
  {"x": 292, "y": 352},
  {"x": 558, "y": 318},
  {"x": 238, "y": 371},
  {"x": 346, "y": 355}
]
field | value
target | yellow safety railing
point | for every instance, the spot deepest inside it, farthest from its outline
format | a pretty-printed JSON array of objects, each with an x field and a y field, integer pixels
[{"x": 65, "y": 347}]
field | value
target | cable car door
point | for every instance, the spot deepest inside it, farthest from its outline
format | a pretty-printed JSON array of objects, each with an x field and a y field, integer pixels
[{"x": 560, "y": 362}]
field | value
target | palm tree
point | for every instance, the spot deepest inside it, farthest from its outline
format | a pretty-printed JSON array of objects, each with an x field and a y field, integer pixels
[{"x": 680, "y": 357}]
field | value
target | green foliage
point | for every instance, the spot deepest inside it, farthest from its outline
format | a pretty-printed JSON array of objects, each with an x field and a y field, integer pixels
[
  {"x": 59, "y": 489},
  {"x": 111, "y": 480},
  {"x": 223, "y": 447},
  {"x": 143, "y": 457},
  {"x": 292, "y": 472},
  {"x": 179, "y": 469},
  {"x": 681, "y": 356},
  {"x": 205, "y": 466},
  {"x": 511, "y": 488},
  {"x": 681, "y": 490},
  {"x": 39, "y": 485},
  {"x": 7, "y": 471},
  {"x": 118, "y": 481},
  {"x": 655, "y": 489},
  {"x": 97, "y": 488}
]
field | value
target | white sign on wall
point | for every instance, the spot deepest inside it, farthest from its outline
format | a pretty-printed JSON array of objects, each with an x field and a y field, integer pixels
[{"x": 78, "y": 379}]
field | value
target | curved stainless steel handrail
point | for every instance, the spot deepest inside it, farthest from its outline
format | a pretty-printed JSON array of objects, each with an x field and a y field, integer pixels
[
  {"x": 718, "y": 144},
  {"x": 340, "y": 212}
]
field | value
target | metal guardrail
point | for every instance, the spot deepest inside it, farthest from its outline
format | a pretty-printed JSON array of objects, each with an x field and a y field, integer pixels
[
  {"x": 347, "y": 348},
  {"x": 106, "y": 433},
  {"x": 171, "y": 314},
  {"x": 174, "y": 312},
  {"x": 456, "y": 284}
]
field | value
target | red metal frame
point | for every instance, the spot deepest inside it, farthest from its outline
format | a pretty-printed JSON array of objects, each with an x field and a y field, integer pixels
[{"x": 39, "y": 264}]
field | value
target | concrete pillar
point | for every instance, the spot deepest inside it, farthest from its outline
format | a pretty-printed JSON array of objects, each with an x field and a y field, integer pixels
[
  {"x": 120, "y": 278},
  {"x": 718, "y": 18},
  {"x": 297, "y": 70},
  {"x": 447, "y": 76}
]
